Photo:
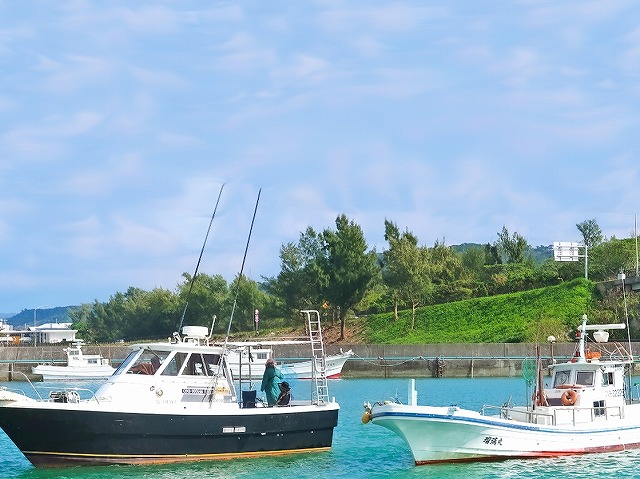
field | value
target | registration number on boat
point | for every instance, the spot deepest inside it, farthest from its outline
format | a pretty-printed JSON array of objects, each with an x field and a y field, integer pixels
[
  {"x": 194, "y": 391},
  {"x": 492, "y": 440}
]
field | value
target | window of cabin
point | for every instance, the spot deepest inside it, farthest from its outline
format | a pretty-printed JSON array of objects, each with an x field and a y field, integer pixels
[
  {"x": 262, "y": 356},
  {"x": 561, "y": 377},
  {"x": 174, "y": 365},
  {"x": 195, "y": 366},
  {"x": 584, "y": 378},
  {"x": 125, "y": 364},
  {"x": 148, "y": 362},
  {"x": 607, "y": 378},
  {"x": 598, "y": 408},
  {"x": 212, "y": 362}
]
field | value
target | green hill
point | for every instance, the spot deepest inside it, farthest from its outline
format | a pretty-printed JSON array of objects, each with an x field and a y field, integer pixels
[
  {"x": 510, "y": 318},
  {"x": 58, "y": 314}
]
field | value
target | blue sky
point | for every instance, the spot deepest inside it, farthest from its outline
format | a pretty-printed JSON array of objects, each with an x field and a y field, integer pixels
[{"x": 119, "y": 122}]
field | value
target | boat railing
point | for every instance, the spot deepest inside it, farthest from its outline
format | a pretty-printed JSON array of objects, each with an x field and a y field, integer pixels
[
  {"x": 53, "y": 392},
  {"x": 73, "y": 394},
  {"x": 26, "y": 378},
  {"x": 558, "y": 415}
]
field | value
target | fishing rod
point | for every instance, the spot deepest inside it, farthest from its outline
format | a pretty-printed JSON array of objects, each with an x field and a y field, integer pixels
[
  {"x": 195, "y": 273},
  {"x": 235, "y": 302},
  {"x": 244, "y": 258}
]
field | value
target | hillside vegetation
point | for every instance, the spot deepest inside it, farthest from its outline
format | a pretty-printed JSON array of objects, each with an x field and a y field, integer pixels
[{"x": 511, "y": 318}]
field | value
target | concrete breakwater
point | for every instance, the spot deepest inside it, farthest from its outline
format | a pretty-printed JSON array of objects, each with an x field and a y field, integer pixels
[{"x": 369, "y": 360}]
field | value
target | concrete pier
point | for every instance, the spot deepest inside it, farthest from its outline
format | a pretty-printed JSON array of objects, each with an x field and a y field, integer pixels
[{"x": 369, "y": 360}]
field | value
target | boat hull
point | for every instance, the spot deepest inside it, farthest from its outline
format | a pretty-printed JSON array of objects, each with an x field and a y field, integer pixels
[
  {"x": 440, "y": 434},
  {"x": 65, "y": 373},
  {"x": 77, "y": 436}
]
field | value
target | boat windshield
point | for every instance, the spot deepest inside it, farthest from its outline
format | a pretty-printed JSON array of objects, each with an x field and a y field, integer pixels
[
  {"x": 125, "y": 364},
  {"x": 148, "y": 362}
]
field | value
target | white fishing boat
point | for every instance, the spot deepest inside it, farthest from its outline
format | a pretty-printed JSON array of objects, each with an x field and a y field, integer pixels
[
  {"x": 80, "y": 366},
  {"x": 170, "y": 401},
  {"x": 247, "y": 360},
  {"x": 587, "y": 408}
]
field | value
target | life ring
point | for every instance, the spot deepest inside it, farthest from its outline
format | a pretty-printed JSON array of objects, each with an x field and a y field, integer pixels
[{"x": 569, "y": 397}]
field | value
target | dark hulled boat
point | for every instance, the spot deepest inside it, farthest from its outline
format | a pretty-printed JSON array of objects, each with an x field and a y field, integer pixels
[{"x": 169, "y": 401}]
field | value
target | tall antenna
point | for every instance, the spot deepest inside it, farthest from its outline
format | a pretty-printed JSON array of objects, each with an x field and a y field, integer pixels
[
  {"x": 195, "y": 273},
  {"x": 235, "y": 299}
]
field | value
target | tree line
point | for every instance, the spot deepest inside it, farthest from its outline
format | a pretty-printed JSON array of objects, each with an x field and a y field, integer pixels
[{"x": 335, "y": 271}]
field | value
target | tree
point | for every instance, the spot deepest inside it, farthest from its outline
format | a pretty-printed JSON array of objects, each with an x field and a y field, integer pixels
[
  {"x": 301, "y": 281},
  {"x": 136, "y": 314},
  {"x": 591, "y": 232},
  {"x": 247, "y": 297},
  {"x": 405, "y": 269},
  {"x": 206, "y": 297},
  {"x": 512, "y": 248},
  {"x": 348, "y": 266}
]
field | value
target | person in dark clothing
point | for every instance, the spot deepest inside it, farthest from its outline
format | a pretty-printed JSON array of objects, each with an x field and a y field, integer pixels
[
  {"x": 285, "y": 394},
  {"x": 270, "y": 382}
]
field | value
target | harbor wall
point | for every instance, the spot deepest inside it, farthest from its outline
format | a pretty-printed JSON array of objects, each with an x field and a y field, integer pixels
[{"x": 368, "y": 361}]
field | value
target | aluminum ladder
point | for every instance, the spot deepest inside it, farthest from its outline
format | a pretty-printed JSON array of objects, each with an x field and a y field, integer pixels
[{"x": 318, "y": 363}]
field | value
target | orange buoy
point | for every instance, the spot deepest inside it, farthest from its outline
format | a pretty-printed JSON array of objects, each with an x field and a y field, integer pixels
[
  {"x": 569, "y": 397},
  {"x": 366, "y": 417}
]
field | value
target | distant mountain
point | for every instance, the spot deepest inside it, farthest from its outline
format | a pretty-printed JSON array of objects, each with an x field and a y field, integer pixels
[{"x": 59, "y": 314}]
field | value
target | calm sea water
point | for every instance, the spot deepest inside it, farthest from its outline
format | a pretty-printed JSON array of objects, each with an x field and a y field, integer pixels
[{"x": 360, "y": 451}]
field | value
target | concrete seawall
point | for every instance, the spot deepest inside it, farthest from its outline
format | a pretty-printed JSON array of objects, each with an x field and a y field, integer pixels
[{"x": 369, "y": 360}]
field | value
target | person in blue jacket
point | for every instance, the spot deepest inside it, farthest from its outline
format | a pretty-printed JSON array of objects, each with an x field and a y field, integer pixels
[{"x": 270, "y": 380}]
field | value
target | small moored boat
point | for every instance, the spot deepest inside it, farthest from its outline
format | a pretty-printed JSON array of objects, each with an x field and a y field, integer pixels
[
  {"x": 169, "y": 401},
  {"x": 80, "y": 366},
  {"x": 247, "y": 360},
  {"x": 587, "y": 408}
]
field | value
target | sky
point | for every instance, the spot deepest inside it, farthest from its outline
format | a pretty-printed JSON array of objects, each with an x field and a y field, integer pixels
[{"x": 120, "y": 121}]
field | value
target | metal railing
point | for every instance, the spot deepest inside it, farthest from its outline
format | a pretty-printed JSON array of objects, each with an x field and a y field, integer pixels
[{"x": 532, "y": 416}]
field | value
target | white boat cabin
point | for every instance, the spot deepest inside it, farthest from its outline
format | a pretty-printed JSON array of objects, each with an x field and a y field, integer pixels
[
  {"x": 185, "y": 372},
  {"x": 589, "y": 387}
]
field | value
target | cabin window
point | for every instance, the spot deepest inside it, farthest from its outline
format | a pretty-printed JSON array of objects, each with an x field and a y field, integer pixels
[
  {"x": 607, "y": 378},
  {"x": 126, "y": 362},
  {"x": 562, "y": 377},
  {"x": 585, "y": 378},
  {"x": 174, "y": 365},
  {"x": 148, "y": 362},
  {"x": 212, "y": 361},
  {"x": 262, "y": 356},
  {"x": 598, "y": 408},
  {"x": 195, "y": 366},
  {"x": 202, "y": 365}
]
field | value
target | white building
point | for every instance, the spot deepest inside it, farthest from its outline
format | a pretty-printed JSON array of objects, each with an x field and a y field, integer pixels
[{"x": 54, "y": 333}]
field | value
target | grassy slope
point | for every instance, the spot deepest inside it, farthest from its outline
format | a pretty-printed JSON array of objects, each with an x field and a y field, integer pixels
[{"x": 518, "y": 317}]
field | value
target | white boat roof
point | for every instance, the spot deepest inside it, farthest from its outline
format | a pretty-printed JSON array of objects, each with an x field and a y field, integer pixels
[
  {"x": 181, "y": 346},
  {"x": 274, "y": 342}
]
